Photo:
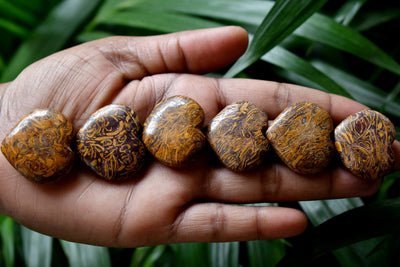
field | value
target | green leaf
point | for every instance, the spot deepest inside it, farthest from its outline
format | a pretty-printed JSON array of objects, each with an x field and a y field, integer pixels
[
  {"x": 362, "y": 223},
  {"x": 322, "y": 29},
  {"x": 82, "y": 255},
  {"x": 348, "y": 11},
  {"x": 51, "y": 36},
  {"x": 239, "y": 11},
  {"x": 224, "y": 254},
  {"x": 369, "y": 19},
  {"x": 284, "y": 17},
  {"x": 320, "y": 211},
  {"x": 191, "y": 254},
  {"x": 37, "y": 248},
  {"x": 289, "y": 61},
  {"x": 7, "y": 240},
  {"x": 156, "y": 20},
  {"x": 92, "y": 35},
  {"x": 265, "y": 252},
  {"x": 14, "y": 28},
  {"x": 13, "y": 11},
  {"x": 360, "y": 90}
]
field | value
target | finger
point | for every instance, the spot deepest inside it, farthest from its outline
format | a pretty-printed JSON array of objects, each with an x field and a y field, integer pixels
[
  {"x": 196, "y": 51},
  {"x": 277, "y": 183},
  {"x": 214, "y": 94},
  {"x": 215, "y": 222}
]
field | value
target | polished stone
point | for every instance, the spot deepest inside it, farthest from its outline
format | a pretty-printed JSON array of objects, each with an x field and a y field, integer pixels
[
  {"x": 172, "y": 131},
  {"x": 364, "y": 141},
  {"x": 237, "y": 135},
  {"x": 109, "y": 143},
  {"x": 300, "y": 135},
  {"x": 39, "y": 146}
]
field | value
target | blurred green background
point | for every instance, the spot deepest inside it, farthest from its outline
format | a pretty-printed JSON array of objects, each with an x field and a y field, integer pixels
[{"x": 343, "y": 47}]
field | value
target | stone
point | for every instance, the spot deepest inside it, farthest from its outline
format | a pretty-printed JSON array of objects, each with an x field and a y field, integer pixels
[
  {"x": 237, "y": 135},
  {"x": 172, "y": 131},
  {"x": 39, "y": 146},
  {"x": 109, "y": 143},
  {"x": 300, "y": 135},
  {"x": 364, "y": 142}
]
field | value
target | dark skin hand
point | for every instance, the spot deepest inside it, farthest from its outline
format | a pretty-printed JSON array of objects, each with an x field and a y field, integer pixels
[{"x": 162, "y": 205}]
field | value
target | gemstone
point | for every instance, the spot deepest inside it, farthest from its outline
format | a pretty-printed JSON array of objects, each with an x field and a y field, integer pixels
[
  {"x": 237, "y": 135},
  {"x": 300, "y": 135},
  {"x": 364, "y": 142},
  {"x": 172, "y": 131},
  {"x": 109, "y": 143},
  {"x": 39, "y": 146}
]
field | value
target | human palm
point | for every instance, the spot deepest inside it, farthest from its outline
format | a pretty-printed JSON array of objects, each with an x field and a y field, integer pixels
[{"x": 162, "y": 204}]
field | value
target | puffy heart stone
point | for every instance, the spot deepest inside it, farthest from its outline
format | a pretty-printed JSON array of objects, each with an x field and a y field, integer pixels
[
  {"x": 109, "y": 143},
  {"x": 237, "y": 135},
  {"x": 300, "y": 135},
  {"x": 39, "y": 146},
  {"x": 364, "y": 142},
  {"x": 172, "y": 131}
]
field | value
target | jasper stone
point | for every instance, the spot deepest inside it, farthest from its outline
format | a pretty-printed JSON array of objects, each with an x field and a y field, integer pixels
[
  {"x": 172, "y": 131},
  {"x": 364, "y": 141},
  {"x": 237, "y": 136},
  {"x": 109, "y": 143},
  {"x": 39, "y": 146},
  {"x": 300, "y": 135}
]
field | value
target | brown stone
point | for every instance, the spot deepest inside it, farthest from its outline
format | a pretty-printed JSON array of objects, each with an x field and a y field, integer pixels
[
  {"x": 109, "y": 143},
  {"x": 237, "y": 136},
  {"x": 364, "y": 142},
  {"x": 39, "y": 146},
  {"x": 172, "y": 131},
  {"x": 300, "y": 136}
]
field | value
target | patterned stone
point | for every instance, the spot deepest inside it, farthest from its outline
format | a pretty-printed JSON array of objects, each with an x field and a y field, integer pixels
[
  {"x": 364, "y": 142},
  {"x": 237, "y": 136},
  {"x": 300, "y": 136},
  {"x": 172, "y": 131},
  {"x": 109, "y": 143},
  {"x": 39, "y": 146}
]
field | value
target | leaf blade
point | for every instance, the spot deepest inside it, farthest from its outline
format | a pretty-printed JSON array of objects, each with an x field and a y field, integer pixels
[
  {"x": 82, "y": 255},
  {"x": 284, "y": 17}
]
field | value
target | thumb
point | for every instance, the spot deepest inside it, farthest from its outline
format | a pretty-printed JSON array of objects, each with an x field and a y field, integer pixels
[{"x": 195, "y": 51}]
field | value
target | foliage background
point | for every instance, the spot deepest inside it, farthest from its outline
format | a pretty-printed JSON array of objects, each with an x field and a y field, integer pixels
[{"x": 343, "y": 47}]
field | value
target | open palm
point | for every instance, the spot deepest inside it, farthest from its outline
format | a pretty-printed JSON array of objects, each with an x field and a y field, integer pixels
[{"x": 162, "y": 205}]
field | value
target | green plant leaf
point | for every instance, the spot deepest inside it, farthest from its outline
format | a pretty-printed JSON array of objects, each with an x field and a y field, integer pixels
[
  {"x": 156, "y": 21},
  {"x": 7, "y": 240},
  {"x": 82, "y": 255},
  {"x": 238, "y": 11},
  {"x": 369, "y": 19},
  {"x": 92, "y": 35},
  {"x": 289, "y": 61},
  {"x": 13, "y": 11},
  {"x": 37, "y": 248},
  {"x": 14, "y": 28},
  {"x": 265, "y": 252},
  {"x": 362, "y": 223},
  {"x": 51, "y": 35},
  {"x": 284, "y": 17},
  {"x": 191, "y": 254},
  {"x": 322, "y": 29},
  {"x": 348, "y": 11},
  {"x": 360, "y": 90},
  {"x": 224, "y": 254}
]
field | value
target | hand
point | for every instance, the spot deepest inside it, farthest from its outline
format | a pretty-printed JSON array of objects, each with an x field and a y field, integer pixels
[{"x": 162, "y": 205}]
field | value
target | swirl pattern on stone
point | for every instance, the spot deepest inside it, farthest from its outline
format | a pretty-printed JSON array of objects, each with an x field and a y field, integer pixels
[
  {"x": 364, "y": 142},
  {"x": 39, "y": 146},
  {"x": 237, "y": 136},
  {"x": 300, "y": 136},
  {"x": 172, "y": 131},
  {"x": 109, "y": 143}
]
